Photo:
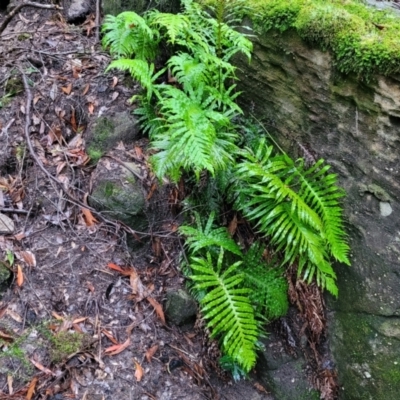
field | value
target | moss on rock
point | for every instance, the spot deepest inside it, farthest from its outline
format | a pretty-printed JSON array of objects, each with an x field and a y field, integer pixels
[{"x": 363, "y": 40}]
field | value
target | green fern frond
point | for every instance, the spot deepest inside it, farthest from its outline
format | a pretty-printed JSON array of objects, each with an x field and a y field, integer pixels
[
  {"x": 199, "y": 237},
  {"x": 227, "y": 308},
  {"x": 293, "y": 207},
  {"x": 269, "y": 286},
  {"x": 174, "y": 25},
  {"x": 191, "y": 141},
  {"x": 141, "y": 71},
  {"x": 128, "y": 34}
]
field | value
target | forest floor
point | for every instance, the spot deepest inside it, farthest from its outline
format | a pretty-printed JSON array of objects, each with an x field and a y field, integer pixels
[{"x": 72, "y": 325}]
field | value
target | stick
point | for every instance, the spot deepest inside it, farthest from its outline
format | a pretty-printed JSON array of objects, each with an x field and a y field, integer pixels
[
  {"x": 15, "y": 10},
  {"x": 97, "y": 21}
]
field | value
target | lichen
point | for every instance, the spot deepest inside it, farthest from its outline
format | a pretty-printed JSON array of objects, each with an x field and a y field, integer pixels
[{"x": 362, "y": 39}]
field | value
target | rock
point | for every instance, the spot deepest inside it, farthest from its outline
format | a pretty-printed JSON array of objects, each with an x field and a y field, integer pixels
[
  {"x": 354, "y": 125},
  {"x": 385, "y": 208},
  {"x": 118, "y": 193},
  {"x": 180, "y": 308},
  {"x": 77, "y": 9},
  {"x": 108, "y": 131},
  {"x": 6, "y": 225}
]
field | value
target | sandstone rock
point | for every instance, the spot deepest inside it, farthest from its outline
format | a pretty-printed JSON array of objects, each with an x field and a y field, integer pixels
[
  {"x": 354, "y": 126},
  {"x": 180, "y": 308}
]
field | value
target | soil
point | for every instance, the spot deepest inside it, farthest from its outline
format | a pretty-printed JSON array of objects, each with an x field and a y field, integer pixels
[{"x": 82, "y": 316}]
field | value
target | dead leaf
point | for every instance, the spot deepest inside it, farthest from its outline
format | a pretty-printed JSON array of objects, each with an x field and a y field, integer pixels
[
  {"x": 88, "y": 216},
  {"x": 114, "y": 96},
  {"x": 158, "y": 308},
  {"x": 10, "y": 384},
  {"x": 73, "y": 119},
  {"x": 150, "y": 352},
  {"x": 36, "y": 98},
  {"x": 53, "y": 91},
  {"x": 85, "y": 89},
  {"x": 31, "y": 388},
  {"x": 6, "y": 337},
  {"x": 41, "y": 367},
  {"x": 139, "y": 372},
  {"x": 67, "y": 89},
  {"x": 110, "y": 336},
  {"x": 114, "y": 82},
  {"x": 151, "y": 191},
  {"x": 91, "y": 108},
  {"x": 115, "y": 267},
  {"x": 232, "y": 226},
  {"x": 28, "y": 257},
  {"x": 3, "y": 311},
  {"x": 20, "y": 276},
  {"x": 117, "y": 348},
  {"x": 14, "y": 315},
  {"x": 19, "y": 236}
]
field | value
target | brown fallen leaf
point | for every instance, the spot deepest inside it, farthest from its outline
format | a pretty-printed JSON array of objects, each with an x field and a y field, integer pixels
[
  {"x": 31, "y": 388},
  {"x": 28, "y": 257},
  {"x": 158, "y": 308},
  {"x": 67, "y": 89},
  {"x": 117, "y": 348},
  {"x": 6, "y": 337},
  {"x": 85, "y": 89},
  {"x": 39, "y": 366},
  {"x": 233, "y": 226},
  {"x": 150, "y": 352},
  {"x": 10, "y": 384},
  {"x": 139, "y": 372},
  {"x": 115, "y": 267},
  {"x": 90, "y": 220},
  {"x": 110, "y": 336},
  {"x": 20, "y": 276}
]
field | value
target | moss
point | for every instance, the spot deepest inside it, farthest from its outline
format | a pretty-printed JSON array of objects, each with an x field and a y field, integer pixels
[
  {"x": 365, "y": 355},
  {"x": 99, "y": 143},
  {"x": 363, "y": 40},
  {"x": 63, "y": 344}
]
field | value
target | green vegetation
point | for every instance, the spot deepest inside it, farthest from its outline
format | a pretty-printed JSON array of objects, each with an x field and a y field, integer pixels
[
  {"x": 363, "y": 40},
  {"x": 66, "y": 343},
  {"x": 190, "y": 112}
]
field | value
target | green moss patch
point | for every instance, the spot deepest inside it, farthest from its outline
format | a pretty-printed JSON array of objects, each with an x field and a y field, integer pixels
[{"x": 363, "y": 40}]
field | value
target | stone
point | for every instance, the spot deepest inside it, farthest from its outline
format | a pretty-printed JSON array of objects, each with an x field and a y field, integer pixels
[
  {"x": 385, "y": 208},
  {"x": 77, "y": 9},
  {"x": 180, "y": 307},
  {"x": 6, "y": 225},
  {"x": 118, "y": 193},
  {"x": 304, "y": 102}
]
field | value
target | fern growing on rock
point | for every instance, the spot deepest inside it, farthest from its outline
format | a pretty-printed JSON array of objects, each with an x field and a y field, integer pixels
[
  {"x": 297, "y": 209},
  {"x": 189, "y": 117}
]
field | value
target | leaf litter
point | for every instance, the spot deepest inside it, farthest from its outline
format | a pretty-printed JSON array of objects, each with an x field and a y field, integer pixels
[{"x": 67, "y": 280}]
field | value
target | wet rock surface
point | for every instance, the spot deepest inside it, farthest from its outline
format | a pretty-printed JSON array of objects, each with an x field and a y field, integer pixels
[{"x": 354, "y": 125}]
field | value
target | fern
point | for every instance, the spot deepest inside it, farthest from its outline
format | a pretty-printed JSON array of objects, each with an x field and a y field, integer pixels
[
  {"x": 128, "y": 34},
  {"x": 141, "y": 71},
  {"x": 295, "y": 221},
  {"x": 199, "y": 238},
  {"x": 269, "y": 286},
  {"x": 197, "y": 136},
  {"x": 227, "y": 308}
]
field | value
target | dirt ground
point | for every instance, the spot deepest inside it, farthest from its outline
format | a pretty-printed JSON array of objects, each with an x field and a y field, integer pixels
[{"x": 82, "y": 316}]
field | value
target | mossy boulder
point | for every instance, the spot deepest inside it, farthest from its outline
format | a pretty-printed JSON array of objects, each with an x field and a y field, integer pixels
[
  {"x": 118, "y": 193},
  {"x": 108, "y": 131},
  {"x": 367, "y": 349},
  {"x": 180, "y": 308}
]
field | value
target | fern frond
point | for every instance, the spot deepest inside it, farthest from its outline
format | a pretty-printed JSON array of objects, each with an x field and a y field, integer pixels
[
  {"x": 191, "y": 141},
  {"x": 227, "y": 308},
  {"x": 199, "y": 237},
  {"x": 141, "y": 71},
  {"x": 295, "y": 221},
  {"x": 269, "y": 287},
  {"x": 128, "y": 34},
  {"x": 174, "y": 25}
]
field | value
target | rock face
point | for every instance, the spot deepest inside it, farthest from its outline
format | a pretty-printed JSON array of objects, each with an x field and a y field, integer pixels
[{"x": 355, "y": 127}]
